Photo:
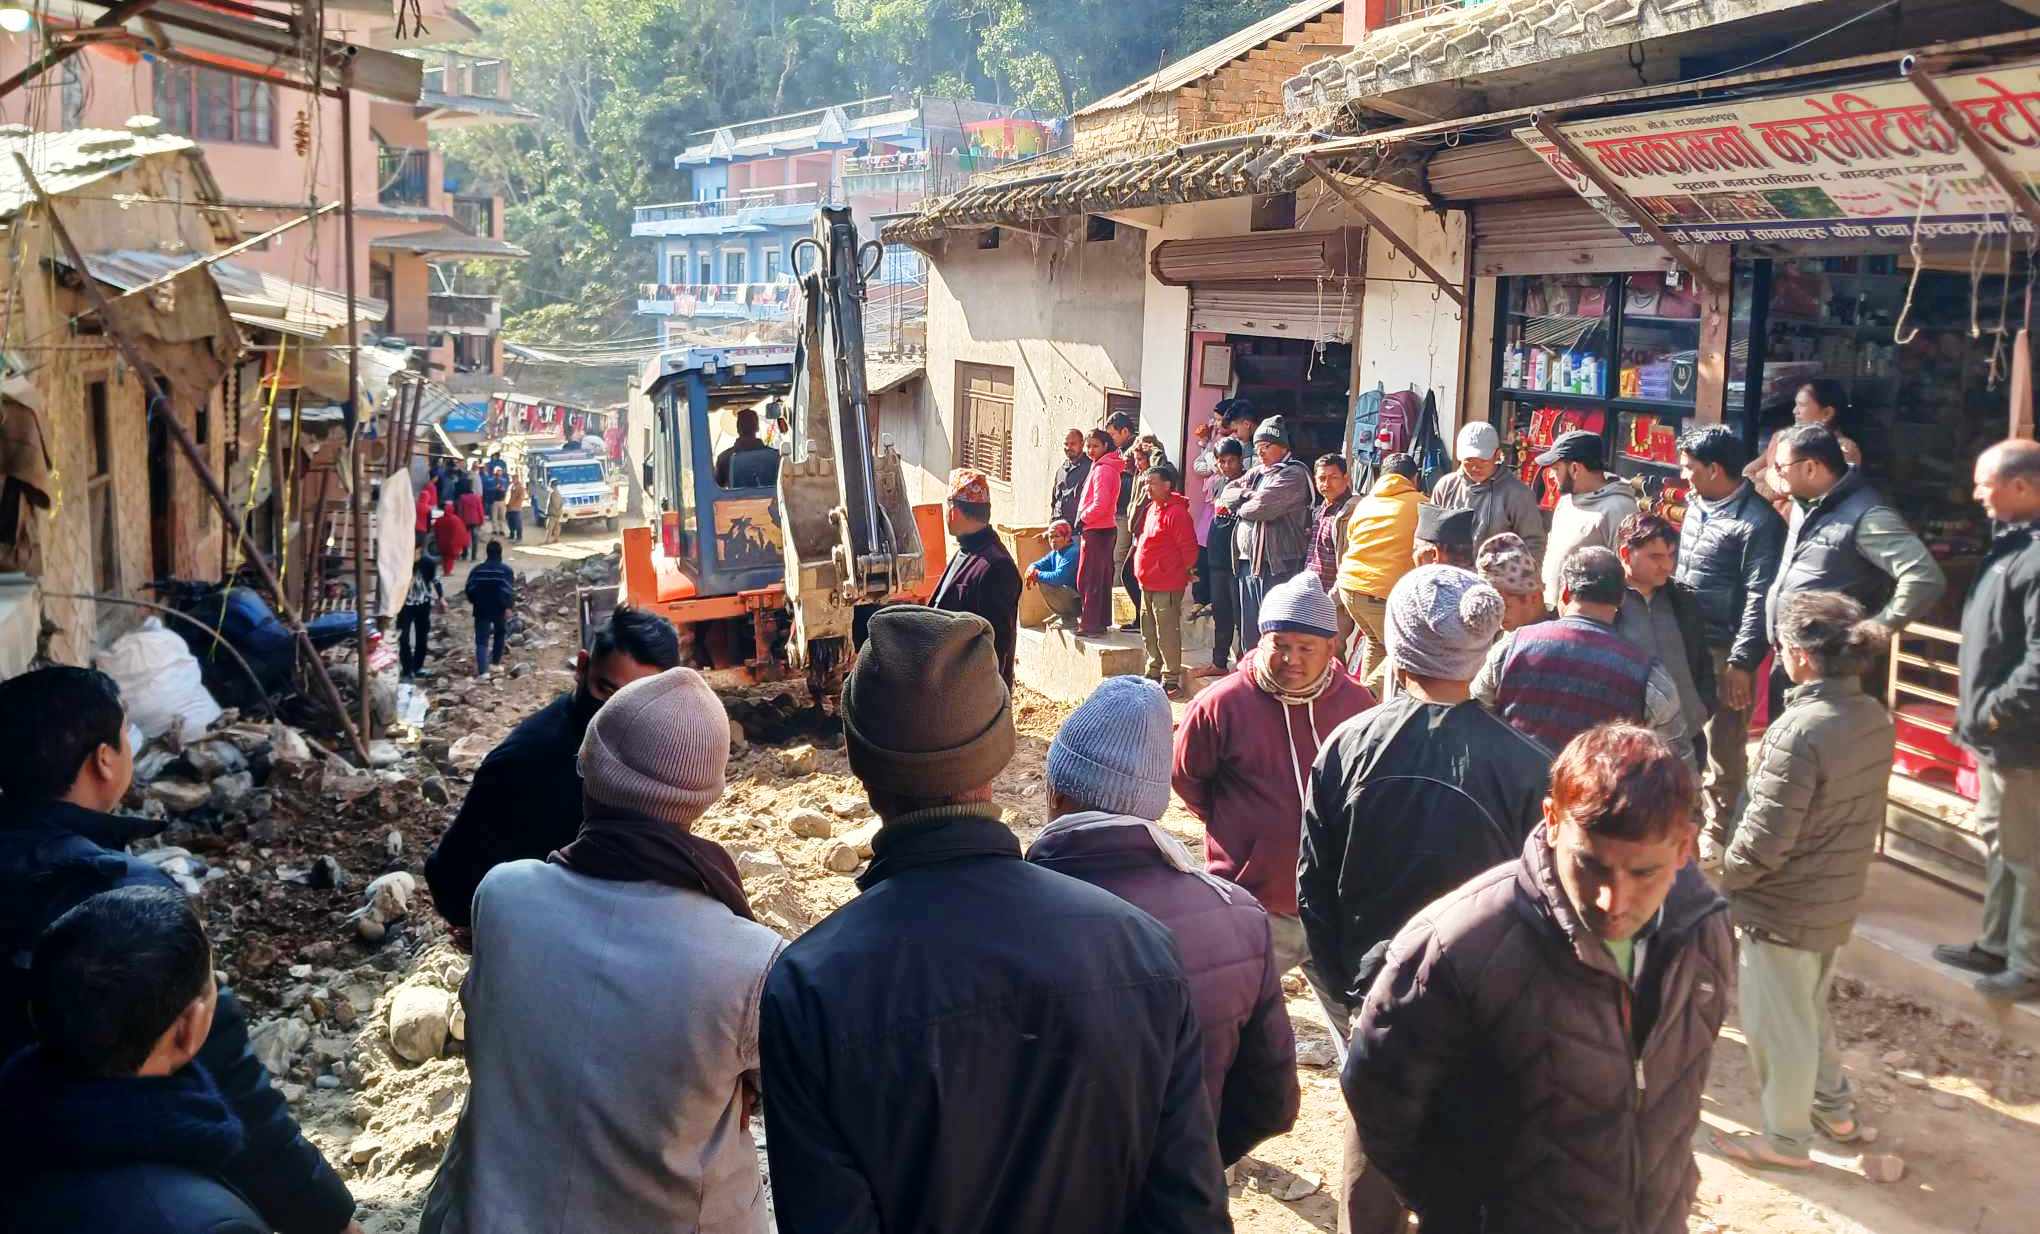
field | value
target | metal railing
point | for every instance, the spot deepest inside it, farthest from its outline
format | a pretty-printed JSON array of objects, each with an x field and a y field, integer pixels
[
  {"x": 1395, "y": 12},
  {"x": 474, "y": 77},
  {"x": 747, "y": 300},
  {"x": 916, "y": 172},
  {"x": 736, "y": 203},
  {"x": 403, "y": 176},
  {"x": 476, "y": 214}
]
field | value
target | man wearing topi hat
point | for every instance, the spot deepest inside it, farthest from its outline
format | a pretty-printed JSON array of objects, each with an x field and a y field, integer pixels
[
  {"x": 975, "y": 1043},
  {"x": 981, "y": 578},
  {"x": 1444, "y": 537},
  {"x": 1245, "y": 747}
]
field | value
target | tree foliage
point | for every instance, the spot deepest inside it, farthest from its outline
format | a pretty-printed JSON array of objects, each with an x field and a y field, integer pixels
[{"x": 619, "y": 86}]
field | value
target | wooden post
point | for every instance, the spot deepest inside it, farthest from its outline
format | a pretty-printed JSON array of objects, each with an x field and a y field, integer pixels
[
  {"x": 1360, "y": 207},
  {"x": 182, "y": 436},
  {"x": 1710, "y": 391},
  {"x": 356, "y": 460}
]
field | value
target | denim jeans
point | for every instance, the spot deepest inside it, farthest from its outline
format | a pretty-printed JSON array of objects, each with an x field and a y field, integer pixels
[{"x": 486, "y": 629}]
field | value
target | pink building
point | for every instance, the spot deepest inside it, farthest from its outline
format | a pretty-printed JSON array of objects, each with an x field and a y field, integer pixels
[{"x": 272, "y": 148}]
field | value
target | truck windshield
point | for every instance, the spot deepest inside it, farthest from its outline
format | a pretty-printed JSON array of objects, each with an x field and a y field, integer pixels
[{"x": 575, "y": 473}]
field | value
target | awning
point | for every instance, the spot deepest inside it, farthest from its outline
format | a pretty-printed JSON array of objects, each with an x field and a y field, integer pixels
[
  {"x": 254, "y": 298},
  {"x": 1265, "y": 162},
  {"x": 449, "y": 242},
  {"x": 265, "y": 42},
  {"x": 885, "y": 376}
]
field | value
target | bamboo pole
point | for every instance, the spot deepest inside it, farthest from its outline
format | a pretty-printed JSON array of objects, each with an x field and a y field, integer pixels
[{"x": 356, "y": 492}]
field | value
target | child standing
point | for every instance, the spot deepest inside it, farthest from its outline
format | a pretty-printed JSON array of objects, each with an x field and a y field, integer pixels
[{"x": 1164, "y": 555}]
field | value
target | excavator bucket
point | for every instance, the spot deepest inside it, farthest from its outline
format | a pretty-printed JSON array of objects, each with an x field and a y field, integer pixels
[{"x": 848, "y": 527}]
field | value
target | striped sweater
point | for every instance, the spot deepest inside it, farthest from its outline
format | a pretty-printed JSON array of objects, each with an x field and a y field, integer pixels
[{"x": 1563, "y": 677}]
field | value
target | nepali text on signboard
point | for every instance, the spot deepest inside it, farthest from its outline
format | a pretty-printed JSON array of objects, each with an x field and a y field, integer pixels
[{"x": 1865, "y": 162}]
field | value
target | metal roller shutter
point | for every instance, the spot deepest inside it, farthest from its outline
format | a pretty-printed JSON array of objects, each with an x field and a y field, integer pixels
[
  {"x": 1316, "y": 310},
  {"x": 1554, "y": 235},
  {"x": 1302, "y": 256},
  {"x": 1491, "y": 171}
]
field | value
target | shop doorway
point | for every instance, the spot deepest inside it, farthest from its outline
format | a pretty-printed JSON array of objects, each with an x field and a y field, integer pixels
[{"x": 1306, "y": 382}]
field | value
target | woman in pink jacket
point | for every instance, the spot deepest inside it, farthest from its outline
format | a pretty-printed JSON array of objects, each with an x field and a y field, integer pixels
[{"x": 1098, "y": 527}]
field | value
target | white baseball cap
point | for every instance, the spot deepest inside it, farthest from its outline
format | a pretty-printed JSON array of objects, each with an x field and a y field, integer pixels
[{"x": 1478, "y": 439}]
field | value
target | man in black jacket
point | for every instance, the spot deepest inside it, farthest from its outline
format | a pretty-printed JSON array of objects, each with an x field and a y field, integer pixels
[
  {"x": 126, "y": 1132},
  {"x": 975, "y": 1043},
  {"x": 526, "y": 797},
  {"x": 1729, "y": 546},
  {"x": 1069, "y": 479},
  {"x": 1999, "y": 718},
  {"x": 981, "y": 578},
  {"x": 1407, "y": 801},
  {"x": 68, "y": 763}
]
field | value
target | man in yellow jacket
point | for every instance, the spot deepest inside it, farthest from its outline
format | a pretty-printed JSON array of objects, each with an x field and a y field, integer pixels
[{"x": 1379, "y": 542}]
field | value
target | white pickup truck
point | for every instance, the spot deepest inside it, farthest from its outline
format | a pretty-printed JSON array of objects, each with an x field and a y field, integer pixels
[{"x": 586, "y": 488}]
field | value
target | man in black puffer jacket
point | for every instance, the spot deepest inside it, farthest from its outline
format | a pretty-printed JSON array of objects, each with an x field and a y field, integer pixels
[
  {"x": 1729, "y": 547},
  {"x": 121, "y": 1129},
  {"x": 68, "y": 762}
]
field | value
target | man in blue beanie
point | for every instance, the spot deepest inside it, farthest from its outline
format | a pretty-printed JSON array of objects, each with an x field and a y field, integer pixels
[{"x": 1108, "y": 783}]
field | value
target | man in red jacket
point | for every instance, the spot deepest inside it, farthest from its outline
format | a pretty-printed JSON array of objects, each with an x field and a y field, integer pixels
[
  {"x": 1246, "y": 745},
  {"x": 1164, "y": 550}
]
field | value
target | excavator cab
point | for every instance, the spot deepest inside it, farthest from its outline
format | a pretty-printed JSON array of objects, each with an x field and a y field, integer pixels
[{"x": 765, "y": 580}]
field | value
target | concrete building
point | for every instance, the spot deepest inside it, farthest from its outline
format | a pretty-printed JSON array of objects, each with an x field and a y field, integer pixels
[
  {"x": 271, "y": 149},
  {"x": 724, "y": 256}
]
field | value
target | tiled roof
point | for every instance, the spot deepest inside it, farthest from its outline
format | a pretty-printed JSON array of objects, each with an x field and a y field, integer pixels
[
  {"x": 1503, "y": 34},
  {"x": 67, "y": 161},
  {"x": 1205, "y": 61},
  {"x": 1199, "y": 171}
]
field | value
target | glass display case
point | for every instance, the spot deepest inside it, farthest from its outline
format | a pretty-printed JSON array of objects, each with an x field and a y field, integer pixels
[{"x": 1616, "y": 354}]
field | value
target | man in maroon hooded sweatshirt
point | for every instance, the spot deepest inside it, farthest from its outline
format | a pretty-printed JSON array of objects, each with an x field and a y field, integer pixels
[{"x": 1246, "y": 745}]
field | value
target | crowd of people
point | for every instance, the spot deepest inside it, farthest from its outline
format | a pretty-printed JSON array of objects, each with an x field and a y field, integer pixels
[{"x": 1520, "y": 857}]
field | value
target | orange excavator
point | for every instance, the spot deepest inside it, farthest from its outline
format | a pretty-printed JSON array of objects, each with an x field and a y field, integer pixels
[{"x": 768, "y": 558}]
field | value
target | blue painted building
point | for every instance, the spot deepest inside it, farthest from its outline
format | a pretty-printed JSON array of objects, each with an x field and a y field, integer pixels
[{"x": 723, "y": 255}]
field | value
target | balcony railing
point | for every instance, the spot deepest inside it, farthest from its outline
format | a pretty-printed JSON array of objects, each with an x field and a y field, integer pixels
[
  {"x": 450, "y": 311},
  {"x": 476, "y": 214},
  {"x": 749, "y": 301},
  {"x": 403, "y": 176},
  {"x": 915, "y": 171},
  {"x": 473, "y": 77},
  {"x": 736, "y": 203}
]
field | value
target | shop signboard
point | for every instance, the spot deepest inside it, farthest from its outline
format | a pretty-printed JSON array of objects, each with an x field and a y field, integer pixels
[{"x": 1865, "y": 162}]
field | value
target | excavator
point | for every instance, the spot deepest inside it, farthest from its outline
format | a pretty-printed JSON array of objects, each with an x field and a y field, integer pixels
[{"x": 768, "y": 582}]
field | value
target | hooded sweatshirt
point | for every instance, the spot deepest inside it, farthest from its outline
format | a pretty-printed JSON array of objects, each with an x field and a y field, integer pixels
[
  {"x": 1500, "y": 503},
  {"x": 1166, "y": 547},
  {"x": 1379, "y": 537},
  {"x": 1242, "y": 759},
  {"x": 1582, "y": 519},
  {"x": 1098, "y": 505}
]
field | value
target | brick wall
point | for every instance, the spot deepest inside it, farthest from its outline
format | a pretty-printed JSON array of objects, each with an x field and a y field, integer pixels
[{"x": 1251, "y": 87}]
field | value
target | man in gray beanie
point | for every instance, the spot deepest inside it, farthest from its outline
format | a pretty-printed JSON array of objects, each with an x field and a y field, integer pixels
[
  {"x": 633, "y": 946},
  {"x": 966, "y": 993},
  {"x": 1108, "y": 784},
  {"x": 1408, "y": 801}
]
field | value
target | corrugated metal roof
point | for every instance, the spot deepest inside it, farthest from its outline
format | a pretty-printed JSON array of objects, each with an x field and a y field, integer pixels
[
  {"x": 265, "y": 301},
  {"x": 451, "y": 241},
  {"x": 67, "y": 161},
  {"x": 1206, "y": 61}
]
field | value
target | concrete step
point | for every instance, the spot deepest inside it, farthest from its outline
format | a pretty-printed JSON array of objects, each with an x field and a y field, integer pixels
[
  {"x": 1065, "y": 666},
  {"x": 1904, "y": 915}
]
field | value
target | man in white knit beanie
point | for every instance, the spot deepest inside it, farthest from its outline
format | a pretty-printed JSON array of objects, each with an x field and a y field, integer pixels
[
  {"x": 612, "y": 1005},
  {"x": 1407, "y": 801}
]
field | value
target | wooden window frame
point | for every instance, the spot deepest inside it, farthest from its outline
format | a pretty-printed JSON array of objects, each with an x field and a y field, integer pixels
[
  {"x": 984, "y": 447},
  {"x": 102, "y": 505},
  {"x": 188, "y": 85}
]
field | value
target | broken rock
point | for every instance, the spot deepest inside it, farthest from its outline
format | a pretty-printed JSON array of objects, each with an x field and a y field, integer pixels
[
  {"x": 211, "y": 759},
  {"x": 180, "y": 796},
  {"x": 1316, "y": 1052},
  {"x": 418, "y": 1021},
  {"x": 1883, "y": 1167},
  {"x": 797, "y": 760},
  {"x": 757, "y": 863},
  {"x": 861, "y": 838},
  {"x": 811, "y": 824},
  {"x": 383, "y": 753},
  {"x": 468, "y": 753},
  {"x": 232, "y": 790},
  {"x": 842, "y": 858},
  {"x": 276, "y": 1043}
]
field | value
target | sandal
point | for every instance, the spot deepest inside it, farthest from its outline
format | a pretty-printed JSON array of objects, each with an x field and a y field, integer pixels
[
  {"x": 1844, "y": 1130},
  {"x": 1751, "y": 1149}
]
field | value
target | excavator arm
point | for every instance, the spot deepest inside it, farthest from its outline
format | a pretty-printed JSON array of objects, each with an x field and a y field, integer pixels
[{"x": 849, "y": 534}]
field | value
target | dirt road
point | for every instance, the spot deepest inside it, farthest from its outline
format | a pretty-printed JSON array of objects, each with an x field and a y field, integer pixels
[{"x": 1963, "y": 1111}]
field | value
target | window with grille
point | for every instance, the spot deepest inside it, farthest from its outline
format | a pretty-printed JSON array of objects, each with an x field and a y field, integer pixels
[
  {"x": 733, "y": 265},
  {"x": 213, "y": 106},
  {"x": 984, "y": 419}
]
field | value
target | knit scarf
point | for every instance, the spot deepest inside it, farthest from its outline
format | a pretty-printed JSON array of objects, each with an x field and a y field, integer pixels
[
  {"x": 1172, "y": 849},
  {"x": 1265, "y": 680},
  {"x": 624, "y": 848}
]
